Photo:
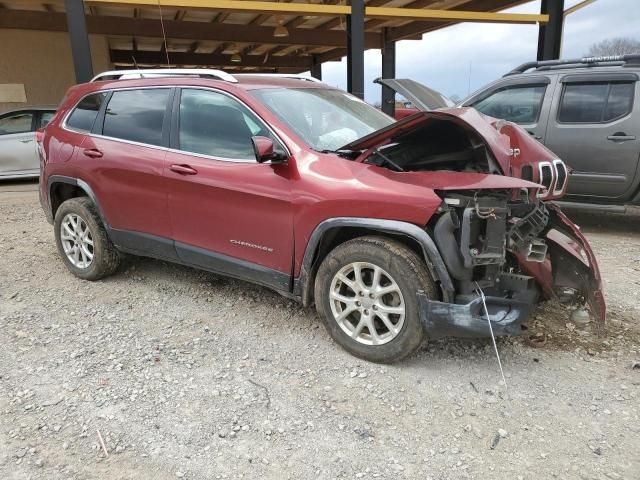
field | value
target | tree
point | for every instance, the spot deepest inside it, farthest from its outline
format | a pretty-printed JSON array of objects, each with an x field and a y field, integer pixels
[{"x": 614, "y": 46}]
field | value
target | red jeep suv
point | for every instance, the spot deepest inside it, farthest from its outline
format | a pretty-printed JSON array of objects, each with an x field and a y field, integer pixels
[{"x": 434, "y": 225}]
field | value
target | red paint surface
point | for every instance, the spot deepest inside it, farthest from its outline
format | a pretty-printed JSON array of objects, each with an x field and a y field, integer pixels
[{"x": 274, "y": 206}]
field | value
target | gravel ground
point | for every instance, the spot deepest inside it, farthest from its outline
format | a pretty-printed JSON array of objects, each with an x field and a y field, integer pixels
[{"x": 184, "y": 374}]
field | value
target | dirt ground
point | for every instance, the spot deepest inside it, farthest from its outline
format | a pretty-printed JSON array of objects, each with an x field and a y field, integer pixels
[{"x": 184, "y": 374}]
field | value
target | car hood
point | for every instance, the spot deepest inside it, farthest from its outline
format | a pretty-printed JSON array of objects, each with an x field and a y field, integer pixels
[
  {"x": 423, "y": 98},
  {"x": 499, "y": 143}
]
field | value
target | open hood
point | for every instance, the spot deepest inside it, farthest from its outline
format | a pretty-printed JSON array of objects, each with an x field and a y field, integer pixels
[{"x": 423, "y": 98}]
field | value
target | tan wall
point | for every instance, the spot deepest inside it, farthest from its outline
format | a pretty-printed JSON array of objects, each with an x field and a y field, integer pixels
[{"x": 42, "y": 62}]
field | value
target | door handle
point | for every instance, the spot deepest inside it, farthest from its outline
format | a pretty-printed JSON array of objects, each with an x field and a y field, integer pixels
[
  {"x": 621, "y": 137},
  {"x": 534, "y": 135},
  {"x": 92, "y": 153},
  {"x": 26, "y": 140},
  {"x": 183, "y": 169}
]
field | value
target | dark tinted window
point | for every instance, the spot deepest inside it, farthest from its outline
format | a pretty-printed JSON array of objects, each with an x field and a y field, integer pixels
[
  {"x": 620, "y": 101},
  {"x": 16, "y": 123},
  {"x": 519, "y": 104},
  {"x": 85, "y": 113},
  {"x": 45, "y": 118},
  {"x": 595, "y": 102},
  {"x": 136, "y": 115},
  {"x": 217, "y": 125}
]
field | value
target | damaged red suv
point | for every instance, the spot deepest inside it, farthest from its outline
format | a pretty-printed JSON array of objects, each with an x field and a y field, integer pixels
[{"x": 397, "y": 231}]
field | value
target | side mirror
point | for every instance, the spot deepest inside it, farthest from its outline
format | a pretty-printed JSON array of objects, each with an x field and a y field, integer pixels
[{"x": 263, "y": 149}]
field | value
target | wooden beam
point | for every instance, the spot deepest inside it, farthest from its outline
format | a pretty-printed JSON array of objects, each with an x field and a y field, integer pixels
[
  {"x": 416, "y": 29},
  {"x": 577, "y": 7},
  {"x": 143, "y": 27},
  {"x": 208, "y": 59},
  {"x": 332, "y": 10},
  {"x": 238, "y": 6}
]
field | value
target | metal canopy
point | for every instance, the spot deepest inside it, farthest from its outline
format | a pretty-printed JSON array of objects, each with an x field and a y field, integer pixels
[{"x": 239, "y": 35}]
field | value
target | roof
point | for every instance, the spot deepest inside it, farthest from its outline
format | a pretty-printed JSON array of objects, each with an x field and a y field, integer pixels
[{"x": 200, "y": 35}]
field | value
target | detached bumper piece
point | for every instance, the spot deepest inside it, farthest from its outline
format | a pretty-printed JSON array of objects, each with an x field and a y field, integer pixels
[{"x": 449, "y": 319}]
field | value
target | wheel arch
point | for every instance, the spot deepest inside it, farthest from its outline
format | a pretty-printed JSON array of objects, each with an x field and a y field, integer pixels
[
  {"x": 61, "y": 188},
  {"x": 335, "y": 231}
]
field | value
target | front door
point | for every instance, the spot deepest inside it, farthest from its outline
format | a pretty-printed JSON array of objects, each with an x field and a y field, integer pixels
[
  {"x": 18, "y": 154},
  {"x": 594, "y": 131},
  {"x": 526, "y": 104},
  {"x": 228, "y": 212}
]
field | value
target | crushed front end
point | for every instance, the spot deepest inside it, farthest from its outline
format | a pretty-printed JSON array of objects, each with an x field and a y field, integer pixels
[{"x": 514, "y": 249}]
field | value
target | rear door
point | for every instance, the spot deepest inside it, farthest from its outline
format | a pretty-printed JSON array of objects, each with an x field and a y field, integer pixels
[
  {"x": 525, "y": 101},
  {"x": 593, "y": 128},
  {"x": 124, "y": 160},
  {"x": 229, "y": 213},
  {"x": 18, "y": 154}
]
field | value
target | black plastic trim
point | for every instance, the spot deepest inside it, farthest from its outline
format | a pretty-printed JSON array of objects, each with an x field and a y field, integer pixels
[
  {"x": 449, "y": 319},
  {"x": 79, "y": 183},
  {"x": 436, "y": 265},
  {"x": 144, "y": 244},
  {"x": 232, "y": 267},
  {"x": 599, "y": 77}
]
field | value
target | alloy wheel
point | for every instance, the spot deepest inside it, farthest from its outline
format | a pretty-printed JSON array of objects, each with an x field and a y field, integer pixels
[
  {"x": 77, "y": 241},
  {"x": 367, "y": 303}
]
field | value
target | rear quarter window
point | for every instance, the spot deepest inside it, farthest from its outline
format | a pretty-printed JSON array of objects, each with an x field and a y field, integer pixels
[{"x": 85, "y": 113}]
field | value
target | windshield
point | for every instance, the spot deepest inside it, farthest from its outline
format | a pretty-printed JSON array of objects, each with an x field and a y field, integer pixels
[{"x": 324, "y": 118}]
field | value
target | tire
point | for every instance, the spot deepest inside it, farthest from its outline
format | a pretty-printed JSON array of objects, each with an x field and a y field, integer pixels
[
  {"x": 401, "y": 270},
  {"x": 105, "y": 257}
]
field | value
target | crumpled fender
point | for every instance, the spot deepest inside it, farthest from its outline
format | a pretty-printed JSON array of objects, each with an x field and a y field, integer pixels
[{"x": 570, "y": 263}]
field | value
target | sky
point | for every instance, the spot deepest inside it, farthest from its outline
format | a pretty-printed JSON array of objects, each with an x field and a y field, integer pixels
[{"x": 462, "y": 58}]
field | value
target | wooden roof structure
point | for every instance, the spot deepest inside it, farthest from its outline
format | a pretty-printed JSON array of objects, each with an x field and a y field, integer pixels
[{"x": 240, "y": 35}]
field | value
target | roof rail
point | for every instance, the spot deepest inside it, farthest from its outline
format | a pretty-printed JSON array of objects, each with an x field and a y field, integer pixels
[
  {"x": 611, "y": 60},
  {"x": 164, "y": 72},
  {"x": 294, "y": 76}
]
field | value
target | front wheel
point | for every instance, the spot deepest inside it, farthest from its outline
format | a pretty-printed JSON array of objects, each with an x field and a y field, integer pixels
[{"x": 365, "y": 293}]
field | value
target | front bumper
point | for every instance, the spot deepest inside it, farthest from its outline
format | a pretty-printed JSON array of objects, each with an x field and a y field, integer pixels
[{"x": 452, "y": 320}]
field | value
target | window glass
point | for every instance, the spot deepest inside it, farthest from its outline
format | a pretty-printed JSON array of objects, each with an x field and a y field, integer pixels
[
  {"x": 45, "y": 118},
  {"x": 620, "y": 101},
  {"x": 85, "y": 113},
  {"x": 325, "y": 118},
  {"x": 17, "y": 123},
  {"x": 136, "y": 115},
  {"x": 583, "y": 102},
  {"x": 215, "y": 124},
  {"x": 516, "y": 104},
  {"x": 595, "y": 102}
]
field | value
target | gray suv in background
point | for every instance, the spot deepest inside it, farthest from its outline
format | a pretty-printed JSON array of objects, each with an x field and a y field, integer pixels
[{"x": 587, "y": 111}]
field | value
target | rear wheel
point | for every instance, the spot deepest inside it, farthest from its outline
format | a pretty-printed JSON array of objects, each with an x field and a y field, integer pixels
[
  {"x": 365, "y": 293},
  {"x": 82, "y": 240}
]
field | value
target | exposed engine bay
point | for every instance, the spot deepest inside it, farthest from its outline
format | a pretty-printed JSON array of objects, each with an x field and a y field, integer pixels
[
  {"x": 512, "y": 251},
  {"x": 438, "y": 144}
]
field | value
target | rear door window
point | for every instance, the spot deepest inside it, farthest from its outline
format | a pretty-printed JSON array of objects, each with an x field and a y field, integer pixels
[
  {"x": 84, "y": 115},
  {"x": 137, "y": 115},
  {"x": 519, "y": 104},
  {"x": 595, "y": 102},
  {"x": 16, "y": 123}
]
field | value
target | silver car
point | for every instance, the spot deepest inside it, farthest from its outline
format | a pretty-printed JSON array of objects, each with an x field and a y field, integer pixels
[{"x": 18, "y": 150}]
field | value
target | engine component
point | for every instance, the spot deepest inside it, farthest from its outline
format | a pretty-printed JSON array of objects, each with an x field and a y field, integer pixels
[{"x": 523, "y": 234}]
